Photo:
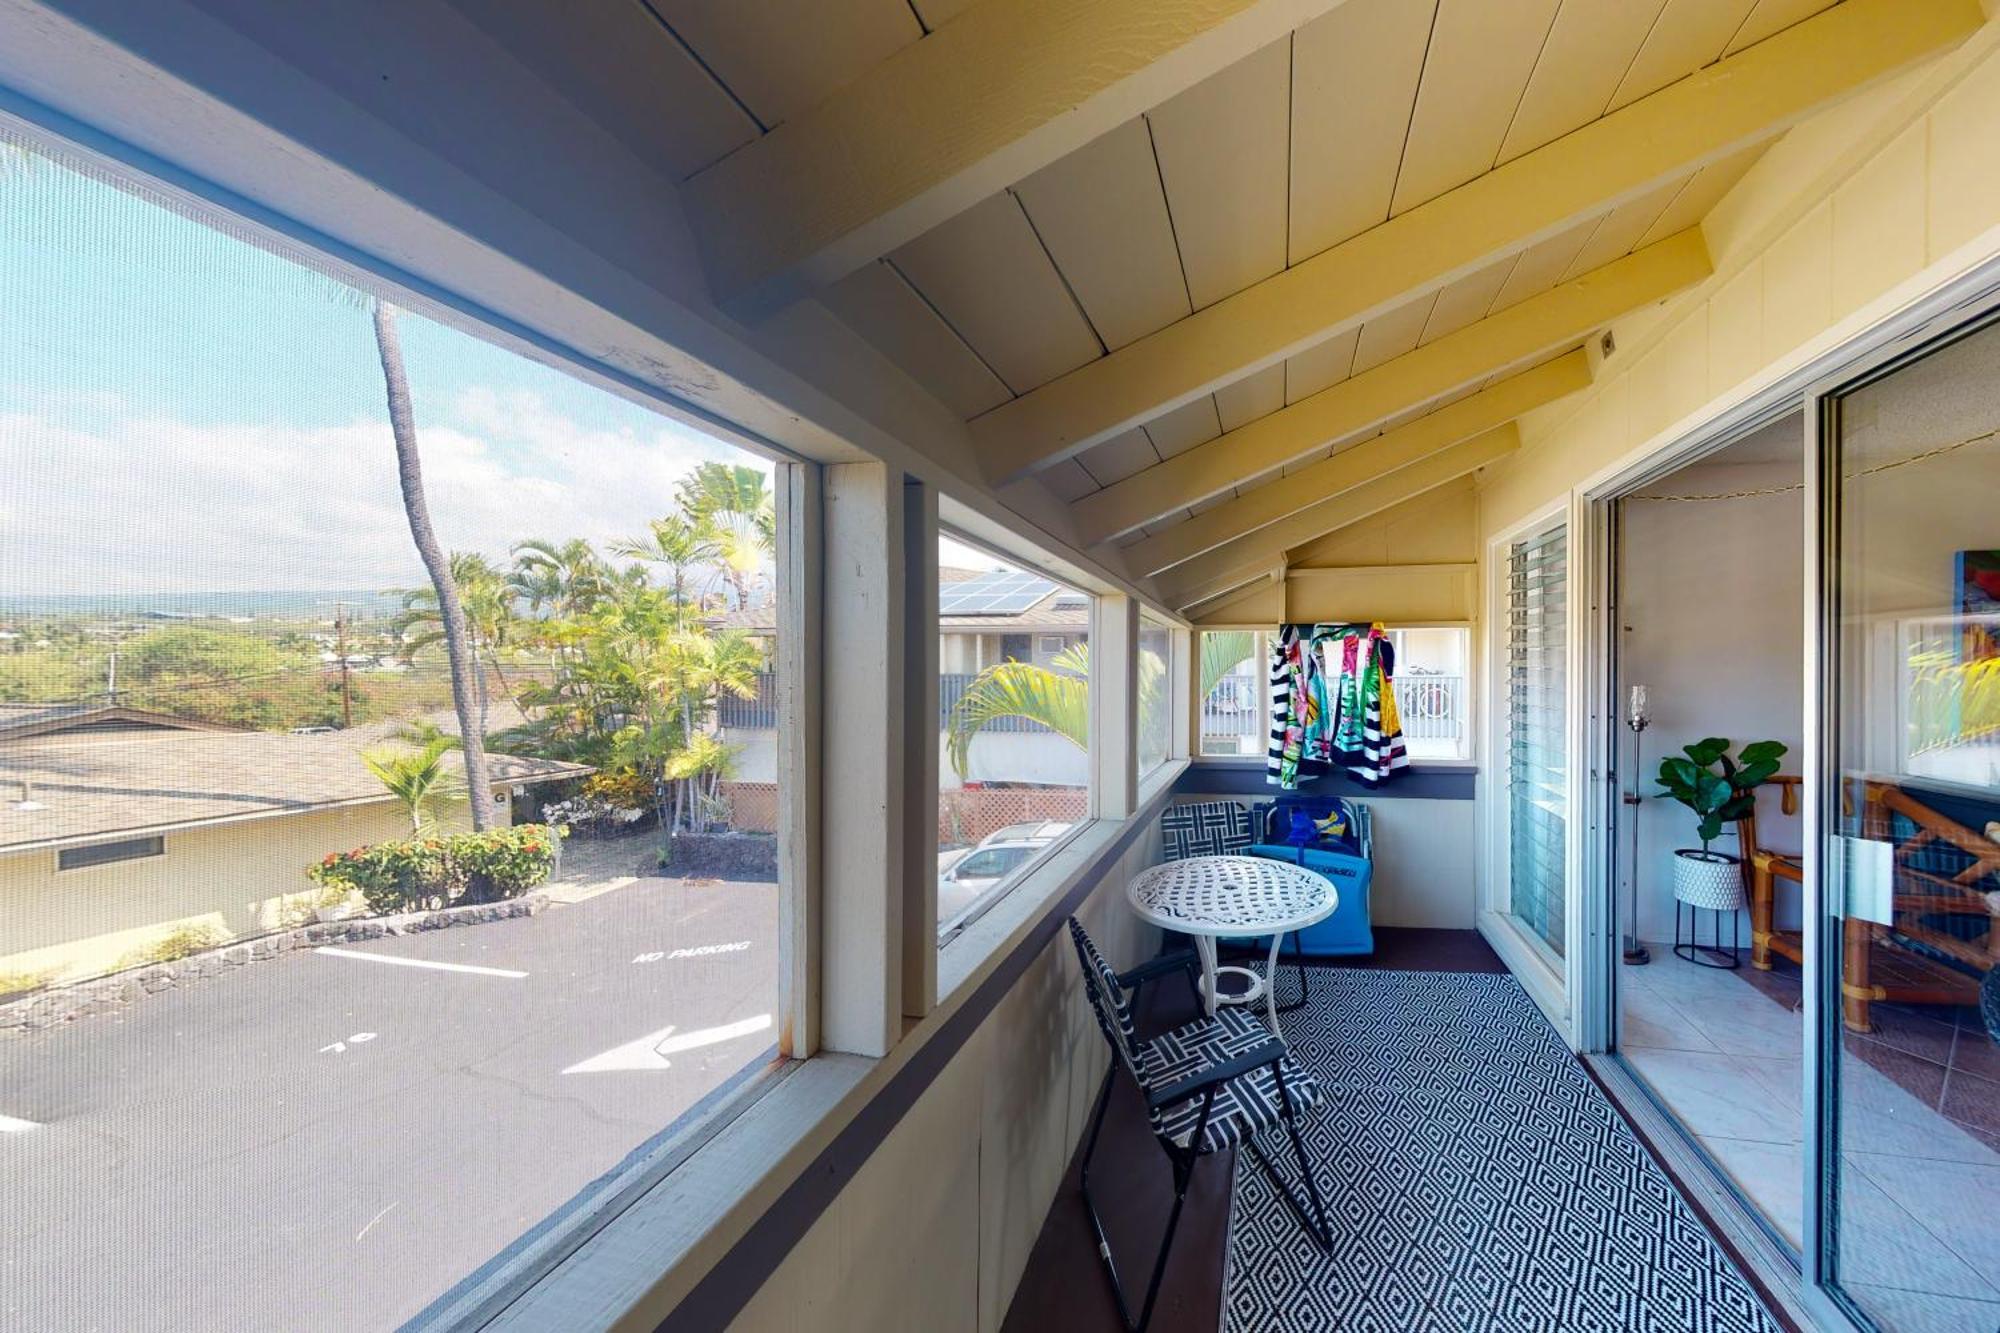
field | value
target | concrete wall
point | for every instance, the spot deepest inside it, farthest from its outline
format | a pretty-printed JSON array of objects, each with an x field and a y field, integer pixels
[
  {"x": 934, "y": 1231},
  {"x": 235, "y": 878}
]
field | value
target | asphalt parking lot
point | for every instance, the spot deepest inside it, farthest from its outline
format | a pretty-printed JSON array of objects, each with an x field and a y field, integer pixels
[{"x": 332, "y": 1138}]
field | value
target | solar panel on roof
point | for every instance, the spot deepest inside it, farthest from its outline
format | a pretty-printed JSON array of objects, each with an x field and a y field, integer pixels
[{"x": 999, "y": 593}]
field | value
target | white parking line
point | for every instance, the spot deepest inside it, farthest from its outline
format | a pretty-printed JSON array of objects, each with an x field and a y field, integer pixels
[
  {"x": 651, "y": 1051},
  {"x": 9, "y": 1125},
  {"x": 421, "y": 962}
]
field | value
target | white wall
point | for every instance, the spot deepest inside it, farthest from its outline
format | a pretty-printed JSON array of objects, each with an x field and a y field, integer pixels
[{"x": 1712, "y": 613}]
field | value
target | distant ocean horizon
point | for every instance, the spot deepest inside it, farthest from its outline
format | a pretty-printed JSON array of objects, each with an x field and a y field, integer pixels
[{"x": 362, "y": 604}]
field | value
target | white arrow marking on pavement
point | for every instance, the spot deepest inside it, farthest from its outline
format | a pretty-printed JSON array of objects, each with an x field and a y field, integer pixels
[
  {"x": 651, "y": 1051},
  {"x": 9, "y": 1125},
  {"x": 339, "y": 1046},
  {"x": 421, "y": 962}
]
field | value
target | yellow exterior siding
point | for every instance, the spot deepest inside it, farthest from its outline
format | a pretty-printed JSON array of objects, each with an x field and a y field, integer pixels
[{"x": 240, "y": 879}]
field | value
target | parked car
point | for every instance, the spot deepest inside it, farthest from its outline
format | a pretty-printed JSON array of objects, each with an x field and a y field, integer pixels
[{"x": 997, "y": 855}]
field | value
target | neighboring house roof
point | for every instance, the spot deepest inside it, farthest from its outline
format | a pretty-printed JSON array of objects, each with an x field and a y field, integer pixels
[
  {"x": 22, "y": 721},
  {"x": 127, "y": 787},
  {"x": 1055, "y": 612}
]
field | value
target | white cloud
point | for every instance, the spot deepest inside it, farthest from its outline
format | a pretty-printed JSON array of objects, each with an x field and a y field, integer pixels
[{"x": 147, "y": 505}]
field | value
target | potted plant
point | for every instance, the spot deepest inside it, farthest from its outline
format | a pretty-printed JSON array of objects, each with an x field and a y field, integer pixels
[{"x": 1720, "y": 791}]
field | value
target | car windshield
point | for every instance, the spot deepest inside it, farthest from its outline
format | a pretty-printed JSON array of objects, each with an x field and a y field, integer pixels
[{"x": 993, "y": 862}]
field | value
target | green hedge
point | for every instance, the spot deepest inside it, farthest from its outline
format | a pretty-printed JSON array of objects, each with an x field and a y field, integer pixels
[{"x": 450, "y": 870}]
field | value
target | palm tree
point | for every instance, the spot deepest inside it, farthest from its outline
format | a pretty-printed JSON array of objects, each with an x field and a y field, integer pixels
[
  {"x": 1057, "y": 696},
  {"x": 566, "y": 578},
  {"x": 451, "y": 615},
  {"x": 1221, "y": 653},
  {"x": 734, "y": 505},
  {"x": 678, "y": 543},
  {"x": 488, "y": 598},
  {"x": 418, "y": 778}
]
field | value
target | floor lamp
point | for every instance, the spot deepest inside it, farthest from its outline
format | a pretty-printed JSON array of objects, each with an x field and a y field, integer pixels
[{"x": 1633, "y": 952}]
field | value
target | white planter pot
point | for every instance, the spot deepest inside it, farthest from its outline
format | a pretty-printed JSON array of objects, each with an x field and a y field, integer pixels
[{"x": 1711, "y": 880}]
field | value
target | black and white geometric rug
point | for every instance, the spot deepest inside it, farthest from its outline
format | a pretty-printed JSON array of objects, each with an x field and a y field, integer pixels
[{"x": 1476, "y": 1179}]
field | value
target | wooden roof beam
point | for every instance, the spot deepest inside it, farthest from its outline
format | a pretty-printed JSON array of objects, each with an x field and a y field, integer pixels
[
  {"x": 1005, "y": 88},
  {"x": 1355, "y": 467},
  {"x": 1554, "y": 319},
  {"x": 1251, "y": 556},
  {"x": 1747, "y": 97}
]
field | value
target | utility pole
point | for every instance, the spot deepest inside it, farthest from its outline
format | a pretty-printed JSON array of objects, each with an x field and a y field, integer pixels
[
  {"x": 111, "y": 680},
  {"x": 340, "y": 646},
  {"x": 340, "y": 651}
]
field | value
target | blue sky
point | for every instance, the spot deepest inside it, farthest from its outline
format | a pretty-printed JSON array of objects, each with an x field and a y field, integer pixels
[{"x": 180, "y": 410}]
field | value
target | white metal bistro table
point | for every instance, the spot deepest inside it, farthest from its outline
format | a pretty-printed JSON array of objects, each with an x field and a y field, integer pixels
[{"x": 1217, "y": 897}]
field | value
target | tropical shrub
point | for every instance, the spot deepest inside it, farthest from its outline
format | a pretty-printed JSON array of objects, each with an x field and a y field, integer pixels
[
  {"x": 21, "y": 983},
  {"x": 422, "y": 874},
  {"x": 180, "y": 942}
]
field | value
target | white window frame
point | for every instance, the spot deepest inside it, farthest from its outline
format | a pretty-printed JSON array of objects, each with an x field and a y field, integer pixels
[
  {"x": 1545, "y": 976},
  {"x": 1475, "y": 740}
]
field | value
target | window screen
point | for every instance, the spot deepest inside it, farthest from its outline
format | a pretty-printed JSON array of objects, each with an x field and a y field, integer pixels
[
  {"x": 341, "y": 1048},
  {"x": 1013, "y": 725},
  {"x": 1537, "y": 779}
]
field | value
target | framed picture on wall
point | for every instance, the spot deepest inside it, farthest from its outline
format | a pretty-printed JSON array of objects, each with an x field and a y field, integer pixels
[{"x": 1978, "y": 603}]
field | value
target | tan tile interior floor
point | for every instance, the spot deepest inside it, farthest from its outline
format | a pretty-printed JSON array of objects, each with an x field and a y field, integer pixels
[{"x": 1920, "y": 1192}]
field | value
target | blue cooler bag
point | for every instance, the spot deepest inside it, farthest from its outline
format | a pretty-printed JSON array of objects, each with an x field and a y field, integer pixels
[{"x": 1340, "y": 851}]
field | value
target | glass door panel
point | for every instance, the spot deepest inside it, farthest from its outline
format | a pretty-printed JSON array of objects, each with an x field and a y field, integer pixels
[{"x": 1909, "y": 1085}]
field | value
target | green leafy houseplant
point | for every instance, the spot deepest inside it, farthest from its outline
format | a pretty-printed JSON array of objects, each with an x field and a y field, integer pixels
[{"x": 1719, "y": 790}]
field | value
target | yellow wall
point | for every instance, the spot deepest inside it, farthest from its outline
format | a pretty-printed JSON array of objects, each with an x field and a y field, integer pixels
[
  {"x": 1406, "y": 565},
  {"x": 235, "y": 878},
  {"x": 1851, "y": 215}
]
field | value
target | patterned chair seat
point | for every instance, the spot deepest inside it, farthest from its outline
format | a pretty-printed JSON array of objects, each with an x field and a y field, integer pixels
[{"x": 1243, "y": 1106}]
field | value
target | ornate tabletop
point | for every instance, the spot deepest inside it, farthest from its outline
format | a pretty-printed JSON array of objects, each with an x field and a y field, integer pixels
[{"x": 1232, "y": 895}]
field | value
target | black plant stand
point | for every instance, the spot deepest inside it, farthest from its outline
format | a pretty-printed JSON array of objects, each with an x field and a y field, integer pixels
[{"x": 1691, "y": 949}]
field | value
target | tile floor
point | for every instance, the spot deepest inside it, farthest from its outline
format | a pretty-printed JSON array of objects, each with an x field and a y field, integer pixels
[{"x": 1920, "y": 1202}]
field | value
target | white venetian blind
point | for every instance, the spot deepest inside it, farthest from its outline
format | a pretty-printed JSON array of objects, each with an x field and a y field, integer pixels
[{"x": 1537, "y": 779}]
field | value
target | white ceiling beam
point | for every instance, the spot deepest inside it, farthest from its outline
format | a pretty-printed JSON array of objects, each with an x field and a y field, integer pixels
[
  {"x": 1005, "y": 88},
  {"x": 1362, "y": 463},
  {"x": 1539, "y": 324},
  {"x": 1251, "y": 556},
  {"x": 1698, "y": 120}
]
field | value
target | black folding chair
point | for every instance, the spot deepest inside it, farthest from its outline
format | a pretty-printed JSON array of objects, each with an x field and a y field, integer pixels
[{"x": 1209, "y": 1085}]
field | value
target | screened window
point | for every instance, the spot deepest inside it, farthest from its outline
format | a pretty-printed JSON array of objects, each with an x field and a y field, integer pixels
[
  {"x": 1235, "y": 720},
  {"x": 109, "y": 853},
  {"x": 1156, "y": 691},
  {"x": 1433, "y": 698},
  {"x": 544, "y": 719},
  {"x": 1537, "y": 764},
  {"x": 1013, "y": 724}
]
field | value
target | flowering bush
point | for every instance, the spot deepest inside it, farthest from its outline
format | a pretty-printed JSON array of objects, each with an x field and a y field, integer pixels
[
  {"x": 606, "y": 803},
  {"x": 427, "y": 873}
]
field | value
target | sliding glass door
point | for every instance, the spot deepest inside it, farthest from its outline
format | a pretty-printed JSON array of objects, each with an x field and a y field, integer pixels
[
  {"x": 1533, "y": 674},
  {"x": 1905, "y": 1145}
]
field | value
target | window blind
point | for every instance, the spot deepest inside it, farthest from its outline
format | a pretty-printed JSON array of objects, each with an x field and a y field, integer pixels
[{"x": 1537, "y": 777}]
